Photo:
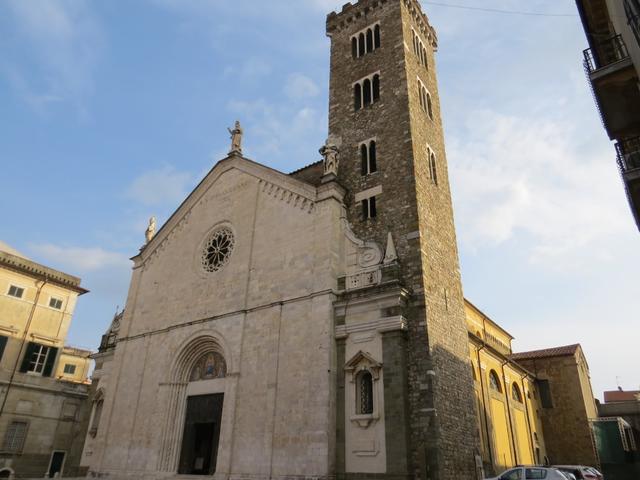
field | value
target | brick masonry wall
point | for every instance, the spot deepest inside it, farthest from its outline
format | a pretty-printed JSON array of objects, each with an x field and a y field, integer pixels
[
  {"x": 443, "y": 432},
  {"x": 566, "y": 426}
]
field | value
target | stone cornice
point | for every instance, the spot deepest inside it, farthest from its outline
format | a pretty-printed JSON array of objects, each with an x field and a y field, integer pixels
[
  {"x": 33, "y": 269},
  {"x": 381, "y": 325},
  {"x": 351, "y": 12},
  {"x": 272, "y": 180}
]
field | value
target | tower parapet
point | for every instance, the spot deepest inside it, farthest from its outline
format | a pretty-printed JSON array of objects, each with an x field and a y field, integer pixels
[{"x": 351, "y": 11}]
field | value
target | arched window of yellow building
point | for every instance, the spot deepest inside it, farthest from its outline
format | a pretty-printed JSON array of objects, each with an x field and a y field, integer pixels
[
  {"x": 494, "y": 381},
  {"x": 515, "y": 393}
]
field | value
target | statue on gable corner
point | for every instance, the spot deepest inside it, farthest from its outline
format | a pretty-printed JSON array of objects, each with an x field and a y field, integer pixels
[
  {"x": 236, "y": 138},
  {"x": 331, "y": 155},
  {"x": 151, "y": 229}
]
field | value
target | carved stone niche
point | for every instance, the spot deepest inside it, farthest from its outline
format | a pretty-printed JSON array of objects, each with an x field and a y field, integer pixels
[{"x": 362, "y": 363}]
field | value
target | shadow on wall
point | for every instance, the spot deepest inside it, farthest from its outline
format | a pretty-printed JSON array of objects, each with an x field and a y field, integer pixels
[{"x": 455, "y": 422}]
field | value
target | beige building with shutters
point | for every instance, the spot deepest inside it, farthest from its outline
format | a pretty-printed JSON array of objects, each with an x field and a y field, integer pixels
[{"x": 43, "y": 383}]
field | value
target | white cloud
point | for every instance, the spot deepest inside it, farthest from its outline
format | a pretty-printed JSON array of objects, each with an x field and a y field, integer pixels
[
  {"x": 300, "y": 86},
  {"x": 162, "y": 187},
  {"x": 79, "y": 259},
  {"x": 517, "y": 175}
]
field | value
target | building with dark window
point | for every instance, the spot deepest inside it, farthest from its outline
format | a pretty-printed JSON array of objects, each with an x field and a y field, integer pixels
[
  {"x": 612, "y": 63},
  {"x": 43, "y": 383}
]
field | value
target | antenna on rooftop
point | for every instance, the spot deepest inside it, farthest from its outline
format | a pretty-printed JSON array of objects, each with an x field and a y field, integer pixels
[{"x": 618, "y": 383}]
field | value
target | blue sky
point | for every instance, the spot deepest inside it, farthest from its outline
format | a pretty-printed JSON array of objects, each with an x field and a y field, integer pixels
[{"x": 112, "y": 114}]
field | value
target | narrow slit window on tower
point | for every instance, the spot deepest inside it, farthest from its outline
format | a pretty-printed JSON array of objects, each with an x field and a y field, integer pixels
[
  {"x": 368, "y": 158},
  {"x": 364, "y": 159},
  {"x": 373, "y": 167},
  {"x": 433, "y": 168},
  {"x": 376, "y": 87},
  {"x": 369, "y": 208},
  {"x": 369, "y": 40},
  {"x": 357, "y": 96},
  {"x": 361, "y": 45},
  {"x": 425, "y": 99},
  {"x": 376, "y": 36},
  {"x": 366, "y": 93}
]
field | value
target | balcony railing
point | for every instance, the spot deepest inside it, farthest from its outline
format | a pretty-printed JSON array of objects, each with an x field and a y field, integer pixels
[
  {"x": 628, "y": 154},
  {"x": 606, "y": 52}
]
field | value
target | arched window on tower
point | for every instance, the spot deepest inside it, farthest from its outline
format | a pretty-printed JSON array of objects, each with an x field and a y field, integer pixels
[
  {"x": 357, "y": 96},
  {"x": 364, "y": 393},
  {"x": 369, "y": 40},
  {"x": 376, "y": 36},
  {"x": 376, "y": 87},
  {"x": 366, "y": 92},
  {"x": 354, "y": 47},
  {"x": 373, "y": 167},
  {"x": 433, "y": 168},
  {"x": 429, "y": 106},
  {"x": 494, "y": 381},
  {"x": 515, "y": 393},
  {"x": 368, "y": 158},
  {"x": 361, "y": 45},
  {"x": 364, "y": 159}
]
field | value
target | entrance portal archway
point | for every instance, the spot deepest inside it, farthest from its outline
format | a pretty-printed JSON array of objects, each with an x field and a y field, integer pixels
[{"x": 195, "y": 396}]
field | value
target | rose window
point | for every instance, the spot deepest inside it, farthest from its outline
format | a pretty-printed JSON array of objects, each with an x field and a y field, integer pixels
[{"x": 217, "y": 250}]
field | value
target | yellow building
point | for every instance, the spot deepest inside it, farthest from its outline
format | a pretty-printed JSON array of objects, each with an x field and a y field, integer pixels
[
  {"x": 43, "y": 387},
  {"x": 507, "y": 401}
]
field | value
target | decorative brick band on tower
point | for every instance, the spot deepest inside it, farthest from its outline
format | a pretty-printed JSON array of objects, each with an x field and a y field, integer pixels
[{"x": 383, "y": 88}]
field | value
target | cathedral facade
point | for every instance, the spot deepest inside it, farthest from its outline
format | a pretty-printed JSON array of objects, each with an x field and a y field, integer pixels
[{"x": 312, "y": 324}]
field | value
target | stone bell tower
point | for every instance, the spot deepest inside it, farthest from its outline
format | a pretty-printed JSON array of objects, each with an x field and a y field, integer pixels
[{"x": 384, "y": 115}]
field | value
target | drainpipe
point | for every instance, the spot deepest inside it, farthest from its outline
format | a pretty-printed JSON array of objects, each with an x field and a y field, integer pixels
[
  {"x": 506, "y": 394},
  {"x": 526, "y": 409},
  {"x": 23, "y": 342},
  {"x": 484, "y": 403}
]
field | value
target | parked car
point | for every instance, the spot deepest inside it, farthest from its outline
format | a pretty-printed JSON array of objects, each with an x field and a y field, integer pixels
[
  {"x": 581, "y": 472},
  {"x": 532, "y": 473}
]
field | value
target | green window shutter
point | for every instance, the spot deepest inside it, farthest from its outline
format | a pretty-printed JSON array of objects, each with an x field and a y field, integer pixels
[
  {"x": 51, "y": 360},
  {"x": 3, "y": 344},
  {"x": 27, "y": 357}
]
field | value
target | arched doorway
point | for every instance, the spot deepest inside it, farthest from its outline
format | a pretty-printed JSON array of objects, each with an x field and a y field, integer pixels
[
  {"x": 194, "y": 441},
  {"x": 203, "y": 416},
  {"x": 6, "y": 473}
]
